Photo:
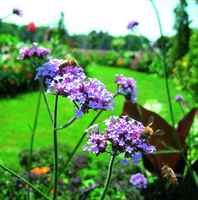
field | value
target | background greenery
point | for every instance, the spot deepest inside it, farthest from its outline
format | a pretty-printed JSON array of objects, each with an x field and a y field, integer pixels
[{"x": 18, "y": 113}]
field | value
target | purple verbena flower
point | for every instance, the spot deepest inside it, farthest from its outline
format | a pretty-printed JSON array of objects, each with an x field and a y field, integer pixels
[
  {"x": 152, "y": 44},
  {"x": 132, "y": 24},
  {"x": 17, "y": 12},
  {"x": 33, "y": 51},
  {"x": 70, "y": 82},
  {"x": 121, "y": 135},
  {"x": 179, "y": 97},
  {"x": 139, "y": 180},
  {"x": 127, "y": 86}
]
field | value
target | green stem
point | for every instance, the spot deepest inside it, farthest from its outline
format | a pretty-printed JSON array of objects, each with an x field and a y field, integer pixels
[
  {"x": 45, "y": 98},
  {"x": 67, "y": 124},
  {"x": 55, "y": 150},
  {"x": 24, "y": 180},
  {"x": 76, "y": 147},
  {"x": 35, "y": 63},
  {"x": 168, "y": 94},
  {"x": 78, "y": 144},
  {"x": 110, "y": 170},
  {"x": 187, "y": 127},
  {"x": 1, "y": 19},
  {"x": 32, "y": 140},
  {"x": 165, "y": 76}
]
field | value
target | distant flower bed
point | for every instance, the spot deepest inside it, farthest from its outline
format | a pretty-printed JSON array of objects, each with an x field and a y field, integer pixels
[{"x": 15, "y": 76}]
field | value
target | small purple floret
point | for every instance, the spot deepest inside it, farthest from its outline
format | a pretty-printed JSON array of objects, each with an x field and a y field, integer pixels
[
  {"x": 139, "y": 180},
  {"x": 179, "y": 97}
]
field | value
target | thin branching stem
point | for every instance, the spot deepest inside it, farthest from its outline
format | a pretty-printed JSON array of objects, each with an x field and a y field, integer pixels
[
  {"x": 168, "y": 93},
  {"x": 35, "y": 63},
  {"x": 67, "y": 124},
  {"x": 24, "y": 180},
  {"x": 77, "y": 146},
  {"x": 55, "y": 178},
  {"x": 187, "y": 127},
  {"x": 110, "y": 170},
  {"x": 32, "y": 140}
]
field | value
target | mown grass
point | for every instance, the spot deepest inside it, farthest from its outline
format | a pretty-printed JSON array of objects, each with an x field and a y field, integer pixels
[{"x": 18, "y": 113}]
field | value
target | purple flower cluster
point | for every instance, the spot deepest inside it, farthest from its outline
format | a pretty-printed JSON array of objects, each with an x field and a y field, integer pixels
[
  {"x": 179, "y": 97},
  {"x": 39, "y": 52},
  {"x": 70, "y": 82},
  {"x": 122, "y": 135},
  {"x": 132, "y": 24},
  {"x": 17, "y": 12},
  {"x": 139, "y": 180},
  {"x": 127, "y": 85}
]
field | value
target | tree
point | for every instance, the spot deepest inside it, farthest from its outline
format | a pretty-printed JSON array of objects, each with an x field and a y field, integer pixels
[
  {"x": 181, "y": 40},
  {"x": 167, "y": 42},
  {"x": 118, "y": 43},
  {"x": 62, "y": 32},
  {"x": 93, "y": 40}
]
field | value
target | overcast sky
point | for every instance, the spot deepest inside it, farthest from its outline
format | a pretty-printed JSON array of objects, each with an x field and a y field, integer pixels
[{"x": 112, "y": 16}]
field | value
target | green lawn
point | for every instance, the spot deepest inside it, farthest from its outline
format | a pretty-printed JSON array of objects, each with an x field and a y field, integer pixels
[{"x": 18, "y": 113}]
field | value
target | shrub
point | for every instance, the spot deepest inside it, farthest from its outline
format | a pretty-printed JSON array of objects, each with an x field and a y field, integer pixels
[{"x": 186, "y": 70}]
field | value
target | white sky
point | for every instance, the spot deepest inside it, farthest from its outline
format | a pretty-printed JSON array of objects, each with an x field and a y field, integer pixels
[{"x": 112, "y": 16}]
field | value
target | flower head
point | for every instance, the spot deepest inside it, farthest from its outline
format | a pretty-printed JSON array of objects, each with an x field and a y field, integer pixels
[
  {"x": 179, "y": 97},
  {"x": 121, "y": 135},
  {"x": 127, "y": 86},
  {"x": 132, "y": 24},
  {"x": 139, "y": 180},
  {"x": 17, "y": 12},
  {"x": 31, "y": 27},
  {"x": 70, "y": 82},
  {"x": 33, "y": 51}
]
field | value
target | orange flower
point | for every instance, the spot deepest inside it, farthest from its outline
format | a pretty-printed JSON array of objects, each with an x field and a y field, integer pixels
[
  {"x": 174, "y": 69},
  {"x": 45, "y": 170},
  {"x": 5, "y": 66},
  {"x": 120, "y": 62},
  {"x": 41, "y": 170},
  {"x": 36, "y": 170},
  {"x": 48, "y": 179},
  {"x": 12, "y": 82},
  {"x": 51, "y": 191},
  {"x": 13, "y": 68},
  {"x": 26, "y": 185},
  {"x": 8, "y": 57}
]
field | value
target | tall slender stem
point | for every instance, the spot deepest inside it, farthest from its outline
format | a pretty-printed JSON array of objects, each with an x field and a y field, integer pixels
[
  {"x": 168, "y": 94},
  {"x": 35, "y": 63},
  {"x": 1, "y": 19},
  {"x": 165, "y": 75},
  {"x": 45, "y": 98},
  {"x": 187, "y": 127},
  {"x": 110, "y": 170},
  {"x": 32, "y": 141},
  {"x": 24, "y": 180},
  {"x": 55, "y": 150}
]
